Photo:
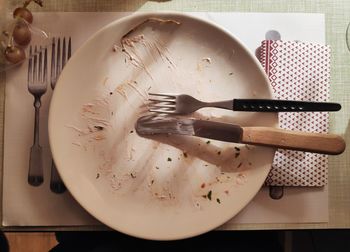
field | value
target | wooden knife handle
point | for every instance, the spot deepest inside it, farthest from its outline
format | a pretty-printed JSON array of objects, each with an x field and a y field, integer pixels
[{"x": 294, "y": 140}]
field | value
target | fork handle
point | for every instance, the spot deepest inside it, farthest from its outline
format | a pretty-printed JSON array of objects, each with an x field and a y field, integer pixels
[
  {"x": 37, "y": 105},
  {"x": 35, "y": 173},
  {"x": 269, "y": 105},
  {"x": 56, "y": 183}
]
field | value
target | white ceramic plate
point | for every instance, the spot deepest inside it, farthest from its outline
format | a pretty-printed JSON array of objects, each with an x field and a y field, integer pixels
[{"x": 183, "y": 186}]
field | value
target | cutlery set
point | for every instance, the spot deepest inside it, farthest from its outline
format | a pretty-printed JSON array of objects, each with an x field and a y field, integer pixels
[
  {"x": 37, "y": 85},
  {"x": 165, "y": 106}
]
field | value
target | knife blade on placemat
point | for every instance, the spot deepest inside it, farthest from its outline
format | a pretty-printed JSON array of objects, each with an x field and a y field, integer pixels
[{"x": 265, "y": 136}]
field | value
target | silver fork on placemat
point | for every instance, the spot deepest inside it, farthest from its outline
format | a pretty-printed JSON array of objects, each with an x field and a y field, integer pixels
[
  {"x": 37, "y": 86},
  {"x": 58, "y": 60}
]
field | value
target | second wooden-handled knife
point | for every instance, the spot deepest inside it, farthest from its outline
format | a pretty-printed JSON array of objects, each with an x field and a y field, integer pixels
[{"x": 264, "y": 136}]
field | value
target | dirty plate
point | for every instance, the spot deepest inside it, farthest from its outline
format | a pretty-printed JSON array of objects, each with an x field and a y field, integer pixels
[{"x": 170, "y": 187}]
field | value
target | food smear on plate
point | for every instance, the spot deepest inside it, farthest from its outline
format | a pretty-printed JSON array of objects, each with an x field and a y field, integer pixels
[{"x": 129, "y": 43}]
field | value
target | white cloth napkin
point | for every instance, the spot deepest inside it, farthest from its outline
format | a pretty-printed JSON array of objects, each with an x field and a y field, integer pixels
[
  {"x": 298, "y": 71},
  {"x": 24, "y": 205}
]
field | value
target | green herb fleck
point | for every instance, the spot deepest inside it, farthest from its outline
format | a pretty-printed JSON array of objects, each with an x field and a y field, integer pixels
[
  {"x": 132, "y": 175},
  {"x": 237, "y": 149},
  {"x": 97, "y": 175},
  {"x": 209, "y": 195},
  {"x": 169, "y": 159},
  {"x": 208, "y": 142},
  {"x": 218, "y": 200}
]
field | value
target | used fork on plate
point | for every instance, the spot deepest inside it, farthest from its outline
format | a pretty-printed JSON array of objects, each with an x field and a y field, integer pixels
[
  {"x": 58, "y": 60},
  {"x": 37, "y": 86},
  {"x": 185, "y": 104}
]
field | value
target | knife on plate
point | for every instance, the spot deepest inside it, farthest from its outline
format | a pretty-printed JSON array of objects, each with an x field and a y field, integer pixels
[{"x": 264, "y": 136}]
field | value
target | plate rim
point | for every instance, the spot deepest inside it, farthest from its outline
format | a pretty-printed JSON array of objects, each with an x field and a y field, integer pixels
[{"x": 125, "y": 20}]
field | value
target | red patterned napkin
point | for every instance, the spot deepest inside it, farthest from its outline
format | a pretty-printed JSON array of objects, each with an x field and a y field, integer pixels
[{"x": 298, "y": 71}]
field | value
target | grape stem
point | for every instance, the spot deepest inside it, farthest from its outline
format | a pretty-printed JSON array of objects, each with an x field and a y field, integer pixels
[
  {"x": 10, "y": 37},
  {"x": 26, "y": 3}
]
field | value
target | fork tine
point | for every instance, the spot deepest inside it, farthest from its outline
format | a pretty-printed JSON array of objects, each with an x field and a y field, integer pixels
[
  {"x": 53, "y": 63},
  {"x": 170, "y": 96},
  {"x": 64, "y": 52},
  {"x": 40, "y": 74},
  {"x": 162, "y": 111},
  {"x": 159, "y": 106},
  {"x": 162, "y": 101},
  {"x": 58, "y": 58},
  {"x": 35, "y": 74},
  {"x": 30, "y": 66},
  {"x": 45, "y": 67},
  {"x": 69, "y": 47}
]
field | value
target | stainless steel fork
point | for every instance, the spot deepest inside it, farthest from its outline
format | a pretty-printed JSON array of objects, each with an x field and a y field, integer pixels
[
  {"x": 37, "y": 86},
  {"x": 58, "y": 60},
  {"x": 185, "y": 104}
]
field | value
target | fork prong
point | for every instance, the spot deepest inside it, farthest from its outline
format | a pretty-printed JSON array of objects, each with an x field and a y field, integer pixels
[
  {"x": 53, "y": 63},
  {"x": 64, "y": 52},
  {"x": 170, "y": 96},
  {"x": 159, "y": 106},
  {"x": 58, "y": 58},
  {"x": 162, "y": 111},
  {"x": 40, "y": 72},
  {"x": 30, "y": 66},
  {"x": 45, "y": 67},
  {"x": 35, "y": 65},
  {"x": 166, "y": 101},
  {"x": 69, "y": 47}
]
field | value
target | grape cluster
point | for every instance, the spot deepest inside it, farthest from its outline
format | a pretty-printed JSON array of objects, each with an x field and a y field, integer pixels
[{"x": 19, "y": 35}]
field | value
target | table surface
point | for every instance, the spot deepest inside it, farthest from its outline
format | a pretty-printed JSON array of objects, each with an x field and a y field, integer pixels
[{"x": 337, "y": 13}]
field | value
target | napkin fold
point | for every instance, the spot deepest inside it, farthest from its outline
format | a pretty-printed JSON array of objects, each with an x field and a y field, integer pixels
[{"x": 298, "y": 71}]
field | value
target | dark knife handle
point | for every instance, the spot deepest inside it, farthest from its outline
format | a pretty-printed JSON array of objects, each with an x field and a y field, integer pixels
[{"x": 268, "y": 105}]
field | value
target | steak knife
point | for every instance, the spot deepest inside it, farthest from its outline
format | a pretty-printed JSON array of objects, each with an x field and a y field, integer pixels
[{"x": 263, "y": 136}]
